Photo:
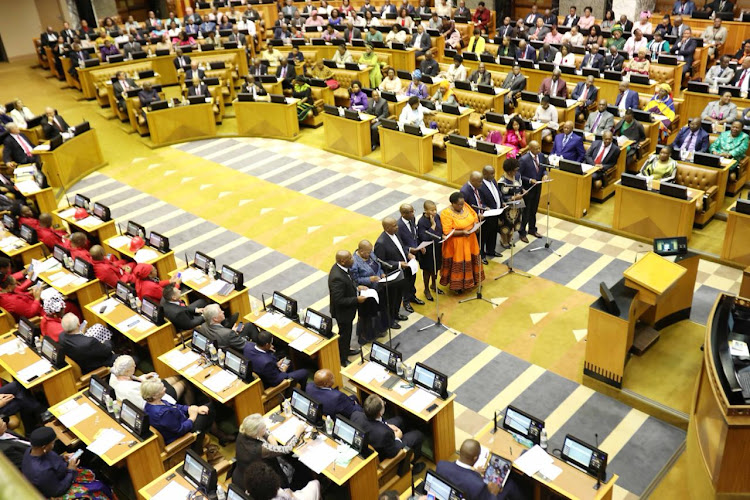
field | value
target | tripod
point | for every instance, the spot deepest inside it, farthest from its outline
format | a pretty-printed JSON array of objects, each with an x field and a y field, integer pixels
[
  {"x": 438, "y": 315},
  {"x": 481, "y": 272},
  {"x": 548, "y": 243},
  {"x": 511, "y": 270}
]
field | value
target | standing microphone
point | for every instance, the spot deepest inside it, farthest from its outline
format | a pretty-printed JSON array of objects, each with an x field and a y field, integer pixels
[
  {"x": 263, "y": 299},
  {"x": 477, "y": 208},
  {"x": 599, "y": 471},
  {"x": 187, "y": 261},
  {"x": 433, "y": 234},
  {"x": 182, "y": 338},
  {"x": 384, "y": 263}
]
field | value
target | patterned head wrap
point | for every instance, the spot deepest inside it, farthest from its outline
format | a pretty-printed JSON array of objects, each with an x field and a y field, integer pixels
[{"x": 53, "y": 304}]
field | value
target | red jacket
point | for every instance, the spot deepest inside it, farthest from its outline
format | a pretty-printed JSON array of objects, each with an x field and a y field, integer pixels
[
  {"x": 20, "y": 304},
  {"x": 22, "y": 282},
  {"x": 50, "y": 237},
  {"x": 29, "y": 221},
  {"x": 51, "y": 327},
  {"x": 82, "y": 253},
  {"x": 110, "y": 273},
  {"x": 481, "y": 19},
  {"x": 151, "y": 289}
]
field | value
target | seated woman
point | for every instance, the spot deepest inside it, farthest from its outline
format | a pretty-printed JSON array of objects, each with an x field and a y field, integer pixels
[
  {"x": 662, "y": 105},
  {"x": 515, "y": 136},
  {"x": 416, "y": 87},
  {"x": 335, "y": 18},
  {"x": 164, "y": 42},
  {"x": 372, "y": 61},
  {"x": 391, "y": 82},
  {"x": 395, "y": 35},
  {"x": 506, "y": 49},
  {"x": 127, "y": 386},
  {"x": 183, "y": 40},
  {"x": 444, "y": 94},
  {"x": 147, "y": 283},
  {"x": 660, "y": 167},
  {"x": 456, "y": 71},
  {"x": 59, "y": 476},
  {"x": 301, "y": 90},
  {"x": 720, "y": 112},
  {"x": 658, "y": 46},
  {"x": 108, "y": 49},
  {"x": 546, "y": 114},
  {"x": 632, "y": 129},
  {"x": 19, "y": 303},
  {"x": 565, "y": 57},
  {"x": 616, "y": 39},
  {"x": 452, "y": 36},
  {"x": 404, "y": 19},
  {"x": 733, "y": 144},
  {"x": 342, "y": 56},
  {"x": 357, "y": 98},
  {"x": 640, "y": 64},
  {"x": 53, "y": 309},
  {"x": 224, "y": 24}
]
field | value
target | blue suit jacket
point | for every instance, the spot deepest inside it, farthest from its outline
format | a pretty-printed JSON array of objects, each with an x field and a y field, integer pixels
[
  {"x": 701, "y": 143},
  {"x": 631, "y": 101},
  {"x": 264, "y": 365},
  {"x": 528, "y": 170},
  {"x": 689, "y": 7},
  {"x": 530, "y": 53},
  {"x": 598, "y": 60},
  {"x": 590, "y": 98},
  {"x": 573, "y": 150},
  {"x": 468, "y": 192},
  {"x": 408, "y": 239},
  {"x": 381, "y": 437},
  {"x": 468, "y": 481},
  {"x": 333, "y": 402}
]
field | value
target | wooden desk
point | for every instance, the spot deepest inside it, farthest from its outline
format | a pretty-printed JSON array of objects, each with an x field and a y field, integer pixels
[
  {"x": 172, "y": 475},
  {"x": 164, "y": 262},
  {"x": 72, "y": 160},
  {"x": 91, "y": 225},
  {"x": 267, "y": 119},
  {"x": 412, "y": 153},
  {"x": 142, "y": 460},
  {"x": 18, "y": 248},
  {"x": 57, "y": 384},
  {"x": 325, "y": 350},
  {"x": 43, "y": 198},
  {"x": 246, "y": 397},
  {"x": 569, "y": 194},
  {"x": 571, "y": 483},
  {"x": 463, "y": 120},
  {"x": 360, "y": 476},
  {"x": 238, "y": 300},
  {"x": 85, "y": 291},
  {"x": 181, "y": 123},
  {"x": 441, "y": 418},
  {"x": 737, "y": 237},
  {"x": 159, "y": 339},
  {"x": 346, "y": 136},
  {"x": 652, "y": 215},
  {"x": 463, "y": 161}
]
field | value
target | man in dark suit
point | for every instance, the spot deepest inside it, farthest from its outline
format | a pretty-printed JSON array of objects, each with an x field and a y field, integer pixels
[
  {"x": 547, "y": 53},
  {"x": 53, "y": 124},
  {"x": 571, "y": 19},
  {"x": 626, "y": 98},
  {"x": 181, "y": 315},
  {"x": 593, "y": 59},
  {"x": 194, "y": 72},
  {"x": 532, "y": 170},
  {"x": 48, "y": 38},
  {"x": 181, "y": 61},
  {"x": 421, "y": 41},
  {"x": 286, "y": 73},
  {"x": 378, "y": 107},
  {"x": 270, "y": 370},
  {"x": 198, "y": 88},
  {"x": 238, "y": 37},
  {"x": 351, "y": 32},
  {"x": 515, "y": 81},
  {"x": 77, "y": 56},
  {"x": 88, "y": 352},
  {"x": 470, "y": 481},
  {"x": 388, "y": 438},
  {"x": 531, "y": 17},
  {"x": 68, "y": 34},
  {"x": 691, "y": 138},
  {"x": 215, "y": 328},
  {"x": 120, "y": 86},
  {"x": 407, "y": 233},
  {"x": 17, "y": 149},
  {"x": 470, "y": 192},
  {"x": 332, "y": 401},
  {"x": 720, "y": 6},
  {"x": 525, "y": 51},
  {"x": 569, "y": 145},
  {"x": 344, "y": 297},
  {"x": 395, "y": 253},
  {"x": 506, "y": 29},
  {"x": 614, "y": 60},
  {"x": 13, "y": 446},
  {"x": 554, "y": 86},
  {"x": 131, "y": 46},
  {"x": 602, "y": 154},
  {"x": 627, "y": 24},
  {"x": 585, "y": 93},
  {"x": 462, "y": 10},
  {"x": 14, "y": 398},
  {"x": 489, "y": 192},
  {"x": 481, "y": 75},
  {"x": 257, "y": 68}
]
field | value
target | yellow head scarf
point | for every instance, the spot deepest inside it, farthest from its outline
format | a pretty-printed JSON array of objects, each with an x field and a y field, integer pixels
[
  {"x": 445, "y": 88},
  {"x": 665, "y": 86}
]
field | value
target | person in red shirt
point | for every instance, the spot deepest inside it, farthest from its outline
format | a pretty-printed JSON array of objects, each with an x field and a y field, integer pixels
[
  {"x": 147, "y": 282},
  {"x": 481, "y": 17},
  {"x": 18, "y": 302},
  {"x": 53, "y": 309},
  {"x": 27, "y": 217},
  {"x": 78, "y": 245},
  {"x": 23, "y": 283},
  {"x": 47, "y": 235},
  {"x": 109, "y": 270}
]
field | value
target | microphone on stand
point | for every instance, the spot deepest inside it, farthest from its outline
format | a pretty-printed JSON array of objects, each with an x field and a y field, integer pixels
[
  {"x": 433, "y": 235},
  {"x": 384, "y": 263},
  {"x": 598, "y": 472}
]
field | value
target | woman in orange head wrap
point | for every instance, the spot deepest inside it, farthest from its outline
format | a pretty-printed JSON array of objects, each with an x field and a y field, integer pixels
[{"x": 147, "y": 283}]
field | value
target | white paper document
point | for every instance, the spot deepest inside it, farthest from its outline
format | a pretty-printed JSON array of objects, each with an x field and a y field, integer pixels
[
  {"x": 179, "y": 360},
  {"x": 212, "y": 288},
  {"x": 726, "y": 161},
  {"x": 738, "y": 348},
  {"x": 35, "y": 370},
  {"x": 475, "y": 228},
  {"x": 424, "y": 244},
  {"x": 89, "y": 221},
  {"x": 119, "y": 241},
  {"x": 106, "y": 440},
  {"x": 193, "y": 370},
  {"x": 317, "y": 455},
  {"x": 585, "y": 167},
  {"x": 67, "y": 213},
  {"x": 42, "y": 266},
  {"x": 285, "y": 431},
  {"x": 145, "y": 255},
  {"x": 129, "y": 324},
  {"x": 414, "y": 266},
  {"x": 10, "y": 347},
  {"x": 295, "y": 333},
  {"x": 108, "y": 306},
  {"x": 420, "y": 400},
  {"x": 370, "y": 293},
  {"x": 391, "y": 277},
  {"x": 303, "y": 342},
  {"x": 370, "y": 371},
  {"x": 494, "y": 212},
  {"x": 533, "y": 460},
  {"x": 219, "y": 381},
  {"x": 173, "y": 490},
  {"x": 77, "y": 415},
  {"x": 281, "y": 321},
  {"x": 267, "y": 320},
  {"x": 550, "y": 471},
  {"x": 64, "y": 281},
  {"x": 27, "y": 187}
]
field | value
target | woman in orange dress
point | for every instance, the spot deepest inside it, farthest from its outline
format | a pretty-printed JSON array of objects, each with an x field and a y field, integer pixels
[{"x": 460, "y": 270}]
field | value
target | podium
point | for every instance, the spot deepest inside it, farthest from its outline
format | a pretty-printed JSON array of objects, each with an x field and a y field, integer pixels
[
  {"x": 409, "y": 152},
  {"x": 181, "y": 123},
  {"x": 654, "y": 291},
  {"x": 348, "y": 137},
  {"x": 267, "y": 119},
  {"x": 737, "y": 237},
  {"x": 72, "y": 160},
  {"x": 463, "y": 161},
  {"x": 571, "y": 193}
]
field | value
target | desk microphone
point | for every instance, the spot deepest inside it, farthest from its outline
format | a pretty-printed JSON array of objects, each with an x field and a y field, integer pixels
[
  {"x": 67, "y": 199},
  {"x": 361, "y": 357},
  {"x": 599, "y": 471},
  {"x": 384, "y": 263},
  {"x": 182, "y": 338},
  {"x": 494, "y": 420},
  {"x": 187, "y": 261},
  {"x": 263, "y": 299}
]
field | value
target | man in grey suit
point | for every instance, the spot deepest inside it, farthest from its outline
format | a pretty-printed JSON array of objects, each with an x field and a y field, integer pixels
[
  {"x": 350, "y": 32},
  {"x": 516, "y": 83},
  {"x": 120, "y": 86},
  {"x": 539, "y": 31},
  {"x": 214, "y": 330},
  {"x": 421, "y": 41},
  {"x": 131, "y": 46},
  {"x": 481, "y": 75},
  {"x": 377, "y": 107},
  {"x": 720, "y": 74},
  {"x": 600, "y": 121}
]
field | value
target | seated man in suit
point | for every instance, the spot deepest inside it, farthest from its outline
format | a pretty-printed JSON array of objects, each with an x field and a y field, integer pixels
[
  {"x": 198, "y": 88},
  {"x": 388, "y": 438},
  {"x": 627, "y": 99},
  {"x": 525, "y": 51},
  {"x": 585, "y": 93},
  {"x": 515, "y": 81},
  {"x": 378, "y": 107},
  {"x": 257, "y": 68},
  {"x": 286, "y": 73},
  {"x": 333, "y": 401},
  {"x": 547, "y": 53},
  {"x": 481, "y": 75},
  {"x": 85, "y": 350},
  {"x": 13, "y": 446},
  {"x": 121, "y": 86},
  {"x": 271, "y": 371},
  {"x": 14, "y": 398},
  {"x": 217, "y": 328},
  {"x": 421, "y": 41},
  {"x": 194, "y": 71},
  {"x": 180, "y": 314},
  {"x": 600, "y": 120},
  {"x": 53, "y": 124},
  {"x": 614, "y": 60},
  {"x": 554, "y": 86},
  {"x": 470, "y": 481},
  {"x": 255, "y": 88},
  {"x": 569, "y": 145},
  {"x": 593, "y": 59},
  {"x": 146, "y": 96},
  {"x": 131, "y": 46},
  {"x": 691, "y": 138},
  {"x": 603, "y": 154},
  {"x": 17, "y": 149},
  {"x": 180, "y": 61}
]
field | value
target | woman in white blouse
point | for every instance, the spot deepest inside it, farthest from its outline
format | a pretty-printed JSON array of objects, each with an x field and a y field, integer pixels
[
  {"x": 128, "y": 387},
  {"x": 573, "y": 37},
  {"x": 456, "y": 71},
  {"x": 546, "y": 114},
  {"x": 20, "y": 113},
  {"x": 391, "y": 83},
  {"x": 565, "y": 56},
  {"x": 396, "y": 35},
  {"x": 325, "y": 8}
]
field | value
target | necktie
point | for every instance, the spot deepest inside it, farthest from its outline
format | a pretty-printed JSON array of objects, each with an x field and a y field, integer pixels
[
  {"x": 283, "y": 72},
  {"x": 565, "y": 140},
  {"x": 125, "y": 85},
  {"x": 585, "y": 92},
  {"x": 742, "y": 79},
  {"x": 690, "y": 144},
  {"x": 59, "y": 127},
  {"x": 536, "y": 162},
  {"x": 476, "y": 195},
  {"x": 598, "y": 160},
  {"x": 596, "y": 122},
  {"x": 198, "y": 90},
  {"x": 24, "y": 145}
]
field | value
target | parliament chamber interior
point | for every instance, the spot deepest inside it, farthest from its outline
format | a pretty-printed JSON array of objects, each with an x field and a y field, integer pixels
[{"x": 374, "y": 249}]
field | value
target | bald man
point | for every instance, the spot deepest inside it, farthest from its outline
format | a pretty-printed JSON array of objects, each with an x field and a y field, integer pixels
[
  {"x": 395, "y": 253},
  {"x": 407, "y": 233},
  {"x": 470, "y": 480},
  {"x": 344, "y": 298},
  {"x": 333, "y": 402},
  {"x": 53, "y": 124}
]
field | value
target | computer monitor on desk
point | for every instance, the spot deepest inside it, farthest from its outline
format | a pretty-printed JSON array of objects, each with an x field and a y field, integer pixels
[
  {"x": 81, "y": 201},
  {"x": 158, "y": 242},
  {"x": 101, "y": 211},
  {"x": 285, "y": 305},
  {"x": 634, "y": 181},
  {"x": 134, "y": 229},
  {"x": 345, "y": 432},
  {"x": 234, "y": 492},
  {"x": 28, "y": 234},
  {"x": 200, "y": 342},
  {"x": 152, "y": 311},
  {"x": 439, "y": 487},
  {"x": 83, "y": 268},
  {"x": 305, "y": 407},
  {"x": 60, "y": 253},
  {"x": 52, "y": 351},
  {"x": 27, "y": 332},
  {"x": 522, "y": 424},
  {"x": 199, "y": 473},
  {"x": 385, "y": 356},
  {"x": 10, "y": 223},
  {"x": 237, "y": 363},
  {"x": 581, "y": 455},
  {"x": 98, "y": 390},
  {"x": 318, "y": 322},
  {"x": 673, "y": 190},
  {"x": 431, "y": 380},
  {"x": 203, "y": 261},
  {"x": 123, "y": 292},
  {"x": 232, "y": 276}
]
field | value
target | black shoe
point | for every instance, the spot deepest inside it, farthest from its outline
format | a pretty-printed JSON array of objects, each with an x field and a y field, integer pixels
[
  {"x": 440, "y": 292},
  {"x": 395, "y": 326},
  {"x": 353, "y": 352},
  {"x": 418, "y": 468},
  {"x": 417, "y": 301},
  {"x": 401, "y": 317},
  {"x": 344, "y": 363},
  {"x": 408, "y": 308},
  {"x": 485, "y": 261}
]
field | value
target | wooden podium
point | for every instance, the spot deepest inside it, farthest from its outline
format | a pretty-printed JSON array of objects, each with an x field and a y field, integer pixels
[
  {"x": 737, "y": 237},
  {"x": 181, "y": 123},
  {"x": 72, "y": 160},
  {"x": 654, "y": 291},
  {"x": 570, "y": 193},
  {"x": 409, "y": 152},
  {"x": 267, "y": 119},
  {"x": 349, "y": 137}
]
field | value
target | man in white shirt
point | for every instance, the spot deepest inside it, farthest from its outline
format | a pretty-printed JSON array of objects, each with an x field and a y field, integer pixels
[{"x": 742, "y": 76}]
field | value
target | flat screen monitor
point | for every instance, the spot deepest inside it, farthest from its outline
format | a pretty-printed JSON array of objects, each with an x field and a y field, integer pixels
[
  {"x": 199, "y": 472},
  {"x": 236, "y": 493},
  {"x": 158, "y": 241},
  {"x": 584, "y": 456},
  {"x": 27, "y": 331},
  {"x": 440, "y": 488},
  {"x": 675, "y": 245},
  {"x": 345, "y": 432},
  {"x": 10, "y": 223},
  {"x": 573, "y": 167},
  {"x": 352, "y": 114},
  {"x": 83, "y": 268},
  {"x": 412, "y": 129},
  {"x": 28, "y": 233},
  {"x": 102, "y": 212},
  {"x": 134, "y": 419},
  {"x": 197, "y": 99},
  {"x": 53, "y": 352},
  {"x": 81, "y": 201},
  {"x": 431, "y": 379},
  {"x": 522, "y": 424},
  {"x": 318, "y": 322},
  {"x": 673, "y": 190},
  {"x": 742, "y": 206},
  {"x": 98, "y": 389},
  {"x": 305, "y": 407},
  {"x": 458, "y": 140},
  {"x": 385, "y": 356},
  {"x": 152, "y": 311},
  {"x": 122, "y": 292},
  {"x": 634, "y": 181},
  {"x": 135, "y": 229},
  {"x": 707, "y": 159},
  {"x": 451, "y": 109},
  {"x": 232, "y": 276},
  {"x": 200, "y": 342},
  {"x": 82, "y": 127},
  {"x": 238, "y": 364},
  {"x": 284, "y": 304},
  {"x": 203, "y": 261},
  {"x": 389, "y": 124},
  {"x": 59, "y": 253}
]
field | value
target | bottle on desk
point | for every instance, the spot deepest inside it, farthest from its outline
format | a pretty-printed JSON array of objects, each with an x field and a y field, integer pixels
[
  {"x": 38, "y": 343},
  {"x": 221, "y": 356},
  {"x": 287, "y": 406},
  {"x": 211, "y": 270},
  {"x": 213, "y": 353},
  {"x": 543, "y": 439},
  {"x": 132, "y": 301},
  {"x": 329, "y": 425}
]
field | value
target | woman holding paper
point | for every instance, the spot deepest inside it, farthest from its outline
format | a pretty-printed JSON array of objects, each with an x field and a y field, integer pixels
[
  {"x": 460, "y": 268},
  {"x": 511, "y": 189},
  {"x": 373, "y": 315},
  {"x": 429, "y": 228}
]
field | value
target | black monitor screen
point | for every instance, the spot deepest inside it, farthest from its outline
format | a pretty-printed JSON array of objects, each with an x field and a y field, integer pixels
[
  {"x": 279, "y": 302},
  {"x": 227, "y": 274},
  {"x": 81, "y": 201},
  {"x": 200, "y": 341},
  {"x": 305, "y": 407},
  {"x": 97, "y": 389},
  {"x": 440, "y": 488},
  {"x": 135, "y": 229},
  {"x": 150, "y": 309},
  {"x": 384, "y": 356},
  {"x": 195, "y": 470},
  {"x": 122, "y": 291},
  {"x": 591, "y": 459},
  {"x": 158, "y": 241},
  {"x": 59, "y": 253},
  {"x": 318, "y": 322},
  {"x": 81, "y": 267},
  {"x": 236, "y": 493},
  {"x": 49, "y": 350},
  {"x": 202, "y": 260},
  {"x": 347, "y": 433},
  {"x": 519, "y": 422},
  {"x": 9, "y": 223},
  {"x": 101, "y": 211},
  {"x": 27, "y": 233},
  {"x": 25, "y": 330},
  {"x": 430, "y": 379},
  {"x": 129, "y": 416}
]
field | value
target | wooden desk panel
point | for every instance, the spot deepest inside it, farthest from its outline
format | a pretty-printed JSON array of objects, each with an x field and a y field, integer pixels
[
  {"x": 181, "y": 123},
  {"x": 99, "y": 229},
  {"x": 346, "y": 136},
  {"x": 404, "y": 151},
  {"x": 72, "y": 160},
  {"x": 238, "y": 300},
  {"x": 23, "y": 250},
  {"x": 164, "y": 262},
  {"x": 570, "y": 194},
  {"x": 266, "y": 119},
  {"x": 84, "y": 293},
  {"x": 44, "y": 199},
  {"x": 737, "y": 237},
  {"x": 463, "y": 161}
]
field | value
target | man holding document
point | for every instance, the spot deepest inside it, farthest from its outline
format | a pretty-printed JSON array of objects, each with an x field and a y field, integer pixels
[
  {"x": 345, "y": 296},
  {"x": 533, "y": 171},
  {"x": 395, "y": 255}
]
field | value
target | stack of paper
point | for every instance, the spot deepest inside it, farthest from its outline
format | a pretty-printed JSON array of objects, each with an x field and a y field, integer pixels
[
  {"x": 344, "y": 455},
  {"x": 532, "y": 460},
  {"x": 267, "y": 320},
  {"x": 11, "y": 242},
  {"x": 105, "y": 441},
  {"x": 64, "y": 281},
  {"x": 285, "y": 431},
  {"x": 10, "y": 347},
  {"x": 42, "y": 266},
  {"x": 76, "y": 415},
  {"x": 219, "y": 381},
  {"x": 370, "y": 371},
  {"x": 295, "y": 332},
  {"x": 193, "y": 370},
  {"x": 67, "y": 213},
  {"x": 178, "y": 360},
  {"x": 281, "y": 321},
  {"x": 35, "y": 370},
  {"x": 27, "y": 186},
  {"x": 145, "y": 255},
  {"x": 89, "y": 221},
  {"x": 119, "y": 241},
  {"x": 212, "y": 288},
  {"x": 317, "y": 455},
  {"x": 418, "y": 401},
  {"x": 173, "y": 490},
  {"x": 303, "y": 341},
  {"x": 144, "y": 325}
]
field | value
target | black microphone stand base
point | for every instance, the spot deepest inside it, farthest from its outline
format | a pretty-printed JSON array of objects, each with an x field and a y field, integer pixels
[{"x": 439, "y": 323}]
